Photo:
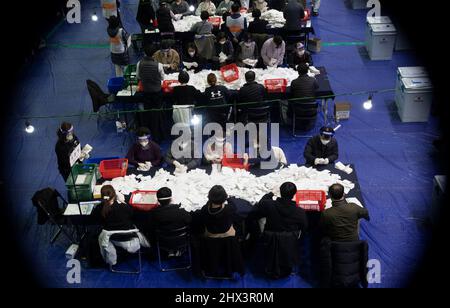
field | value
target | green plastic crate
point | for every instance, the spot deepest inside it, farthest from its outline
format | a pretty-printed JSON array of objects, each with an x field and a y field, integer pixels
[
  {"x": 130, "y": 77},
  {"x": 82, "y": 191}
]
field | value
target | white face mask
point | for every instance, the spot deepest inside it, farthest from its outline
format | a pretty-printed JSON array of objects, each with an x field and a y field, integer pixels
[
  {"x": 248, "y": 44},
  {"x": 324, "y": 142},
  {"x": 143, "y": 143},
  {"x": 191, "y": 53},
  {"x": 222, "y": 42},
  {"x": 69, "y": 137},
  {"x": 301, "y": 53},
  {"x": 227, "y": 1}
]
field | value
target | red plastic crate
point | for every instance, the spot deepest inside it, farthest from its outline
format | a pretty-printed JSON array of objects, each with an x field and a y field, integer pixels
[
  {"x": 230, "y": 72},
  {"x": 167, "y": 85},
  {"x": 311, "y": 195},
  {"x": 276, "y": 85},
  {"x": 143, "y": 206},
  {"x": 113, "y": 168},
  {"x": 234, "y": 162},
  {"x": 215, "y": 21}
]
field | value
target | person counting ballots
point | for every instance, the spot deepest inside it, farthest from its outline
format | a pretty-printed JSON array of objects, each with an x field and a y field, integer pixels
[
  {"x": 145, "y": 153},
  {"x": 321, "y": 149},
  {"x": 66, "y": 144}
]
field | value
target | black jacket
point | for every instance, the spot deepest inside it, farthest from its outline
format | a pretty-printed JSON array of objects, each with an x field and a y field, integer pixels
[
  {"x": 304, "y": 87},
  {"x": 294, "y": 59},
  {"x": 119, "y": 217},
  {"x": 251, "y": 92},
  {"x": 343, "y": 264},
  {"x": 169, "y": 217},
  {"x": 164, "y": 20},
  {"x": 145, "y": 13},
  {"x": 340, "y": 222},
  {"x": 258, "y": 26},
  {"x": 315, "y": 149},
  {"x": 281, "y": 253},
  {"x": 218, "y": 220},
  {"x": 281, "y": 215},
  {"x": 293, "y": 13},
  {"x": 196, "y": 58},
  {"x": 185, "y": 95},
  {"x": 63, "y": 150},
  {"x": 190, "y": 163}
]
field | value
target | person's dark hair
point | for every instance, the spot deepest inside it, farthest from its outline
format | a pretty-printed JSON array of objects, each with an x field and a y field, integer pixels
[
  {"x": 336, "y": 192},
  {"x": 225, "y": 15},
  {"x": 212, "y": 79},
  {"x": 183, "y": 77},
  {"x": 288, "y": 190},
  {"x": 220, "y": 35},
  {"x": 142, "y": 131},
  {"x": 165, "y": 44},
  {"x": 246, "y": 36},
  {"x": 256, "y": 13},
  {"x": 108, "y": 193},
  {"x": 113, "y": 22},
  {"x": 250, "y": 76},
  {"x": 63, "y": 130},
  {"x": 217, "y": 195},
  {"x": 326, "y": 132},
  {"x": 302, "y": 69},
  {"x": 278, "y": 40},
  {"x": 204, "y": 15},
  {"x": 191, "y": 46},
  {"x": 235, "y": 7},
  {"x": 164, "y": 193},
  {"x": 149, "y": 50}
]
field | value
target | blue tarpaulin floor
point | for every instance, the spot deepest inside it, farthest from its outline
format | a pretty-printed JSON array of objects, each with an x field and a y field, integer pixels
[{"x": 395, "y": 161}]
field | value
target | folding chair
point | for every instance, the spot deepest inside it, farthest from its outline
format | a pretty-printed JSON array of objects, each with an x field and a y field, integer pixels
[
  {"x": 124, "y": 237},
  {"x": 173, "y": 240}
]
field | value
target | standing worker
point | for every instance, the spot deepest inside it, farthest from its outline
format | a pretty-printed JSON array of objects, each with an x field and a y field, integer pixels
[
  {"x": 67, "y": 142},
  {"x": 118, "y": 38}
]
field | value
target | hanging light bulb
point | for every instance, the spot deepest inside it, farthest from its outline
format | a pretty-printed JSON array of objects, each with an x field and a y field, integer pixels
[
  {"x": 29, "y": 128},
  {"x": 94, "y": 17},
  {"x": 368, "y": 103},
  {"x": 191, "y": 8}
]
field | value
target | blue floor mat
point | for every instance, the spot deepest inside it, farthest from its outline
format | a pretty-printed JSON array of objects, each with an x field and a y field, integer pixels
[{"x": 394, "y": 160}]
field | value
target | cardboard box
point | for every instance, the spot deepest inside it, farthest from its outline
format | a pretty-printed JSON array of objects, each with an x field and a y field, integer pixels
[
  {"x": 315, "y": 44},
  {"x": 342, "y": 110}
]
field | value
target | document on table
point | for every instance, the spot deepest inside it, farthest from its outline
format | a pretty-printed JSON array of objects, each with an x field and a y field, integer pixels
[
  {"x": 86, "y": 208},
  {"x": 328, "y": 204}
]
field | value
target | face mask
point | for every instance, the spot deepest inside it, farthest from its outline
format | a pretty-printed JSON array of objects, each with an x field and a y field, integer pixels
[
  {"x": 301, "y": 53},
  {"x": 324, "y": 142},
  {"x": 69, "y": 137},
  {"x": 222, "y": 42},
  {"x": 248, "y": 44},
  {"x": 143, "y": 143},
  {"x": 227, "y": 1},
  {"x": 192, "y": 53},
  {"x": 261, "y": 1}
]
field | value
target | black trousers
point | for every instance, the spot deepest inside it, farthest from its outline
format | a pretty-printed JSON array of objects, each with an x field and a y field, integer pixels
[{"x": 154, "y": 120}]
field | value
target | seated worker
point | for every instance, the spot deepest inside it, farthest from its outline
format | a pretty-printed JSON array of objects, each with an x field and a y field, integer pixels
[
  {"x": 281, "y": 214},
  {"x": 293, "y": 13},
  {"x": 168, "y": 216},
  {"x": 341, "y": 221},
  {"x": 260, "y": 5},
  {"x": 145, "y": 14},
  {"x": 168, "y": 57},
  {"x": 250, "y": 92},
  {"x": 180, "y": 7},
  {"x": 206, "y": 5},
  {"x": 321, "y": 149},
  {"x": 215, "y": 150},
  {"x": 184, "y": 99},
  {"x": 145, "y": 153},
  {"x": 224, "y": 6},
  {"x": 247, "y": 50},
  {"x": 203, "y": 27},
  {"x": 299, "y": 56},
  {"x": 304, "y": 86},
  {"x": 272, "y": 52},
  {"x": 164, "y": 16},
  {"x": 192, "y": 60},
  {"x": 216, "y": 95},
  {"x": 114, "y": 214},
  {"x": 236, "y": 24},
  {"x": 269, "y": 157},
  {"x": 217, "y": 215},
  {"x": 181, "y": 156},
  {"x": 258, "y": 25},
  {"x": 224, "y": 51},
  {"x": 67, "y": 142}
]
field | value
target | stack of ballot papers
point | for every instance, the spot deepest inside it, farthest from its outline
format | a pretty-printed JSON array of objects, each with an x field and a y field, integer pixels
[{"x": 86, "y": 208}]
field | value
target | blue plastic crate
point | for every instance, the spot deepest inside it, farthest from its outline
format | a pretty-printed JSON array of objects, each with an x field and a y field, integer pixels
[{"x": 115, "y": 84}]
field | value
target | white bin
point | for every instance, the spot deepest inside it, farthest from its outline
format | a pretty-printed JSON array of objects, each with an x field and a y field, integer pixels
[
  {"x": 381, "y": 41},
  {"x": 414, "y": 99},
  {"x": 409, "y": 72},
  {"x": 379, "y": 20},
  {"x": 358, "y": 4}
]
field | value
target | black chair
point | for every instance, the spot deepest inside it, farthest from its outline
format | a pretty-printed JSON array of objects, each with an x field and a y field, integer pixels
[
  {"x": 174, "y": 240},
  {"x": 50, "y": 206},
  {"x": 281, "y": 253},
  {"x": 219, "y": 115},
  {"x": 125, "y": 237},
  {"x": 258, "y": 114},
  {"x": 221, "y": 258},
  {"x": 343, "y": 264},
  {"x": 303, "y": 112},
  {"x": 99, "y": 98}
]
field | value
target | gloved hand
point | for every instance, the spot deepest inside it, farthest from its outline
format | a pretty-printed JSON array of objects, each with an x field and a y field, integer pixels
[
  {"x": 176, "y": 164},
  {"x": 319, "y": 161},
  {"x": 245, "y": 158},
  {"x": 166, "y": 65},
  {"x": 148, "y": 164},
  {"x": 326, "y": 161},
  {"x": 273, "y": 62},
  {"x": 194, "y": 64},
  {"x": 141, "y": 166},
  {"x": 120, "y": 197}
]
